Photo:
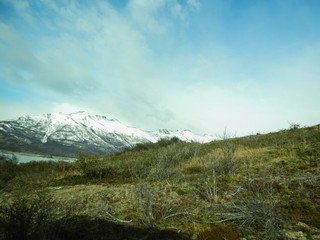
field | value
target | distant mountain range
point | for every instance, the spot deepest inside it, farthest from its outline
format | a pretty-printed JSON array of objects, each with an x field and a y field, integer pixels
[{"x": 61, "y": 134}]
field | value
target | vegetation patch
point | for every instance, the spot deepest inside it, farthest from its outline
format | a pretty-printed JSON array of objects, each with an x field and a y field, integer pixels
[
  {"x": 303, "y": 210},
  {"x": 263, "y": 186}
]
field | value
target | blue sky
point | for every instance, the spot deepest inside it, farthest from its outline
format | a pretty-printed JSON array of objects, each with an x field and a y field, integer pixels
[{"x": 248, "y": 66}]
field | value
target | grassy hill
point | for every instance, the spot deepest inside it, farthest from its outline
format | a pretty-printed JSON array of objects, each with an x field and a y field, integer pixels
[{"x": 256, "y": 187}]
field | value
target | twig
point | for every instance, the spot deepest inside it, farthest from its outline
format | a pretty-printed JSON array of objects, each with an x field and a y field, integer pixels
[
  {"x": 117, "y": 219},
  {"x": 177, "y": 214},
  {"x": 230, "y": 219}
]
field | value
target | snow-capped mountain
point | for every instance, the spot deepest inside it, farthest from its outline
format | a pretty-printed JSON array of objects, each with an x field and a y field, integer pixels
[{"x": 66, "y": 134}]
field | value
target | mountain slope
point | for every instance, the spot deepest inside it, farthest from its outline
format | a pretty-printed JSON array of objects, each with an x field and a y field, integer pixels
[{"x": 65, "y": 134}]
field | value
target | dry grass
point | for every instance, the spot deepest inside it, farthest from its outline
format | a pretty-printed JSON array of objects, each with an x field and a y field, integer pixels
[{"x": 259, "y": 186}]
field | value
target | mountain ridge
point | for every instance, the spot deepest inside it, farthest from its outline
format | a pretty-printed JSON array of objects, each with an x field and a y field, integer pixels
[{"x": 65, "y": 134}]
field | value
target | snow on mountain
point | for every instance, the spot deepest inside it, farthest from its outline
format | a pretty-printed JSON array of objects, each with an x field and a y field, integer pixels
[
  {"x": 185, "y": 135},
  {"x": 81, "y": 130}
]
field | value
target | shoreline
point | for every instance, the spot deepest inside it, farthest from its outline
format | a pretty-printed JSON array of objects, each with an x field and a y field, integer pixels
[{"x": 37, "y": 155}]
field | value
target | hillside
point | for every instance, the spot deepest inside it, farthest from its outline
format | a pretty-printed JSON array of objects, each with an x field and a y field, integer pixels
[{"x": 256, "y": 187}]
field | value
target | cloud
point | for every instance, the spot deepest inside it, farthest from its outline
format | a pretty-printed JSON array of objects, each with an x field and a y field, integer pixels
[
  {"x": 48, "y": 69},
  {"x": 152, "y": 16},
  {"x": 90, "y": 46},
  {"x": 65, "y": 107},
  {"x": 17, "y": 59},
  {"x": 13, "y": 110},
  {"x": 193, "y": 4},
  {"x": 145, "y": 13},
  {"x": 91, "y": 57},
  {"x": 22, "y": 7},
  {"x": 143, "y": 65}
]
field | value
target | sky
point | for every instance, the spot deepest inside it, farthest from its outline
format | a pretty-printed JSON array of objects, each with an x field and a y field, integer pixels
[{"x": 247, "y": 66}]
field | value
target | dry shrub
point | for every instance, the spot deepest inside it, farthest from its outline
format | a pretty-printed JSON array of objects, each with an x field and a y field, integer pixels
[
  {"x": 225, "y": 165},
  {"x": 157, "y": 204},
  {"x": 168, "y": 164},
  {"x": 258, "y": 210},
  {"x": 207, "y": 188}
]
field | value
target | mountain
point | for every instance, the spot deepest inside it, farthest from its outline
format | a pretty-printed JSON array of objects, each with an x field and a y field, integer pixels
[{"x": 65, "y": 134}]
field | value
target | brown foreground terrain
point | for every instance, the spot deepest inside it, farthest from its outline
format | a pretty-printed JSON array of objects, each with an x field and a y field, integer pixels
[{"x": 256, "y": 187}]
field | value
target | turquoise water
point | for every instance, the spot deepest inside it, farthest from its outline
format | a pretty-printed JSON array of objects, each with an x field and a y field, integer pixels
[{"x": 25, "y": 158}]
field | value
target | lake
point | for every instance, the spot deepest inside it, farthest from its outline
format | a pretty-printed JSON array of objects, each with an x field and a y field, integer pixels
[{"x": 25, "y": 158}]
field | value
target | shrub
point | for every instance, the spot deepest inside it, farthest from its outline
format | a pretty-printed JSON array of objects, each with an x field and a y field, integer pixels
[
  {"x": 8, "y": 169},
  {"x": 294, "y": 126},
  {"x": 225, "y": 165},
  {"x": 303, "y": 210},
  {"x": 27, "y": 217},
  {"x": 258, "y": 211},
  {"x": 207, "y": 188},
  {"x": 142, "y": 147},
  {"x": 156, "y": 205},
  {"x": 163, "y": 142},
  {"x": 168, "y": 165},
  {"x": 92, "y": 166},
  {"x": 146, "y": 199}
]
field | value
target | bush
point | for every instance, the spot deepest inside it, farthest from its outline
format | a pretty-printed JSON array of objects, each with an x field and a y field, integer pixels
[
  {"x": 169, "y": 162},
  {"x": 156, "y": 205},
  {"x": 163, "y": 142},
  {"x": 92, "y": 166},
  {"x": 8, "y": 169},
  {"x": 303, "y": 210},
  {"x": 27, "y": 217},
  {"x": 225, "y": 165},
  {"x": 142, "y": 147},
  {"x": 258, "y": 211},
  {"x": 207, "y": 187}
]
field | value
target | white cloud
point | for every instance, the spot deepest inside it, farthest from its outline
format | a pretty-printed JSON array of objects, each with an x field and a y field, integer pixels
[
  {"x": 91, "y": 56},
  {"x": 13, "y": 110},
  {"x": 23, "y": 8},
  {"x": 193, "y": 4},
  {"x": 18, "y": 60},
  {"x": 68, "y": 108},
  {"x": 158, "y": 16},
  {"x": 146, "y": 14},
  {"x": 95, "y": 59}
]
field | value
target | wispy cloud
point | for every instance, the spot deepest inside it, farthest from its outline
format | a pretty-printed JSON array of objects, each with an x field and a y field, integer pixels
[
  {"x": 84, "y": 54},
  {"x": 203, "y": 65},
  {"x": 152, "y": 16}
]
